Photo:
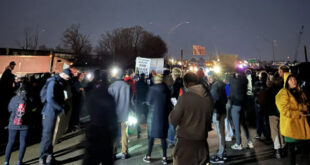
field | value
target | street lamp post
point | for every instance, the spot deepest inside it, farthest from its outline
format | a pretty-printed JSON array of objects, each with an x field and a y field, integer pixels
[{"x": 169, "y": 35}]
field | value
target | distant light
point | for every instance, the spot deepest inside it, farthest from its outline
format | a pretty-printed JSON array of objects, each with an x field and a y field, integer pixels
[
  {"x": 240, "y": 66},
  {"x": 217, "y": 69}
]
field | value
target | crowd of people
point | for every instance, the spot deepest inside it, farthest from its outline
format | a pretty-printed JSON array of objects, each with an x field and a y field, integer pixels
[{"x": 179, "y": 109}]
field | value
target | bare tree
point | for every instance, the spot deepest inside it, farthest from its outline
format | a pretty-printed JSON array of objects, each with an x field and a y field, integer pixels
[
  {"x": 28, "y": 40},
  {"x": 76, "y": 42},
  {"x": 123, "y": 45}
]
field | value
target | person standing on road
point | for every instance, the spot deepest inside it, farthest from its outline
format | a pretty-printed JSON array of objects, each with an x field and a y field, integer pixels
[
  {"x": 274, "y": 87},
  {"x": 191, "y": 116},
  {"x": 237, "y": 95},
  {"x": 158, "y": 99},
  {"x": 262, "y": 122},
  {"x": 219, "y": 98},
  {"x": 102, "y": 129},
  {"x": 294, "y": 109},
  {"x": 18, "y": 123},
  {"x": 141, "y": 88},
  {"x": 53, "y": 97},
  {"x": 7, "y": 87},
  {"x": 121, "y": 93},
  {"x": 175, "y": 93}
]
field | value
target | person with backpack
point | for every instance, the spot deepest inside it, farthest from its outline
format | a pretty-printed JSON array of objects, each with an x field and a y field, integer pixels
[
  {"x": 53, "y": 96},
  {"x": 18, "y": 123}
]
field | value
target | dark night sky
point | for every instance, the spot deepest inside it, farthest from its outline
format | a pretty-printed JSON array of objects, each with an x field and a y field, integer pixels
[{"x": 227, "y": 26}]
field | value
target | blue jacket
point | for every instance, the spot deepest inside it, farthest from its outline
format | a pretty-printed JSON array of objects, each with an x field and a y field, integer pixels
[
  {"x": 55, "y": 99},
  {"x": 20, "y": 112}
]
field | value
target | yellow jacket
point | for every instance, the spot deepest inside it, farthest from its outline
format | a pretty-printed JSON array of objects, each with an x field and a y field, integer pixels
[{"x": 292, "y": 123}]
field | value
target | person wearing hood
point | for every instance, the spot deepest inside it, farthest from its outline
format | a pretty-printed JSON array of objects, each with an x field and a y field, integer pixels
[
  {"x": 54, "y": 104},
  {"x": 219, "y": 98},
  {"x": 18, "y": 123},
  {"x": 160, "y": 106},
  {"x": 191, "y": 117},
  {"x": 294, "y": 109}
]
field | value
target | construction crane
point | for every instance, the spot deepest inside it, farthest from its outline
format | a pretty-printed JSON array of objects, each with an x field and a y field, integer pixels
[{"x": 301, "y": 31}]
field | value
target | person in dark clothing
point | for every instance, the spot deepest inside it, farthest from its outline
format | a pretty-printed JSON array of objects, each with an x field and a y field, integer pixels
[
  {"x": 54, "y": 105},
  {"x": 18, "y": 123},
  {"x": 102, "y": 129},
  {"x": 141, "y": 89},
  {"x": 177, "y": 87},
  {"x": 262, "y": 120},
  {"x": 237, "y": 95},
  {"x": 7, "y": 88},
  {"x": 78, "y": 95},
  {"x": 160, "y": 106},
  {"x": 269, "y": 104},
  {"x": 219, "y": 98}
]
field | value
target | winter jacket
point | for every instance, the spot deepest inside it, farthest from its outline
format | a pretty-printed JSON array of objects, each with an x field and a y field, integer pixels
[
  {"x": 6, "y": 83},
  {"x": 237, "y": 90},
  {"x": 55, "y": 97},
  {"x": 192, "y": 114},
  {"x": 177, "y": 85},
  {"x": 160, "y": 106},
  {"x": 20, "y": 113},
  {"x": 292, "y": 123},
  {"x": 141, "y": 88},
  {"x": 219, "y": 98},
  {"x": 121, "y": 93}
]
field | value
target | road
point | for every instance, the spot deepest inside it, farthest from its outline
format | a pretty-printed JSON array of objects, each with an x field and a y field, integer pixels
[{"x": 70, "y": 151}]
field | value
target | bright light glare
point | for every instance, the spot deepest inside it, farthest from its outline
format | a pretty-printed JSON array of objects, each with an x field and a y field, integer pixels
[
  {"x": 132, "y": 120},
  {"x": 195, "y": 69},
  {"x": 114, "y": 71},
  {"x": 216, "y": 69},
  {"x": 89, "y": 76}
]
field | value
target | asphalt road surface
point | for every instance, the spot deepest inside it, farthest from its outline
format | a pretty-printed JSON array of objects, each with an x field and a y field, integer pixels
[{"x": 70, "y": 151}]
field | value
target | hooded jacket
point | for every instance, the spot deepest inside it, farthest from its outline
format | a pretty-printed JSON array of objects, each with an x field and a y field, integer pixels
[
  {"x": 19, "y": 118},
  {"x": 292, "y": 123},
  {"x": 192, "y": 114}
]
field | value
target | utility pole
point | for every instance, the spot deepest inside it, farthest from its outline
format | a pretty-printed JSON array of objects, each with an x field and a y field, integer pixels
[
  {"x": 298, "y": 42},
  {"x": 306, "y": 56},
  {"x": 182, "y": 65}
]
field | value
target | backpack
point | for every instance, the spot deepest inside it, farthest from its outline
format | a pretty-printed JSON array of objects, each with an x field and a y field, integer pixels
[{"x": 44, "y": 91}]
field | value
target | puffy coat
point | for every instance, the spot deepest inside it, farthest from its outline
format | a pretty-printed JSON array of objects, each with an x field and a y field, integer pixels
[{"x": 292, "y": 123}]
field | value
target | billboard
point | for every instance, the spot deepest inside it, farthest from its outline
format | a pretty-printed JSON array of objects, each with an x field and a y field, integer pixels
[{"x": 199, "y": 50}]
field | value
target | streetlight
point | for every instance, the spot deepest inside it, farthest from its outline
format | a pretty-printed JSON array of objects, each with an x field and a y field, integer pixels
[
  {"x": 171, "y": 30},
  {"x": 36, "y": 38},
  {"x": 274, "y": 44}
]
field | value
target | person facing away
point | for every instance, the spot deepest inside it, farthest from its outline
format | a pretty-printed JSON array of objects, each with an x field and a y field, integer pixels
[
  {"x": 191, "y": 116},
  {"x": 102, "y": 130},
  {"x": 121, "y": 93},
  {"x": 293, "y": 107},
  {"x": 53, "y": 105},
  {"x": 141, "y": 88},
  {"x": 219, "y": 98},
  {"x": 20, "y": 116},
  {"x": 158, "y": 99}
]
